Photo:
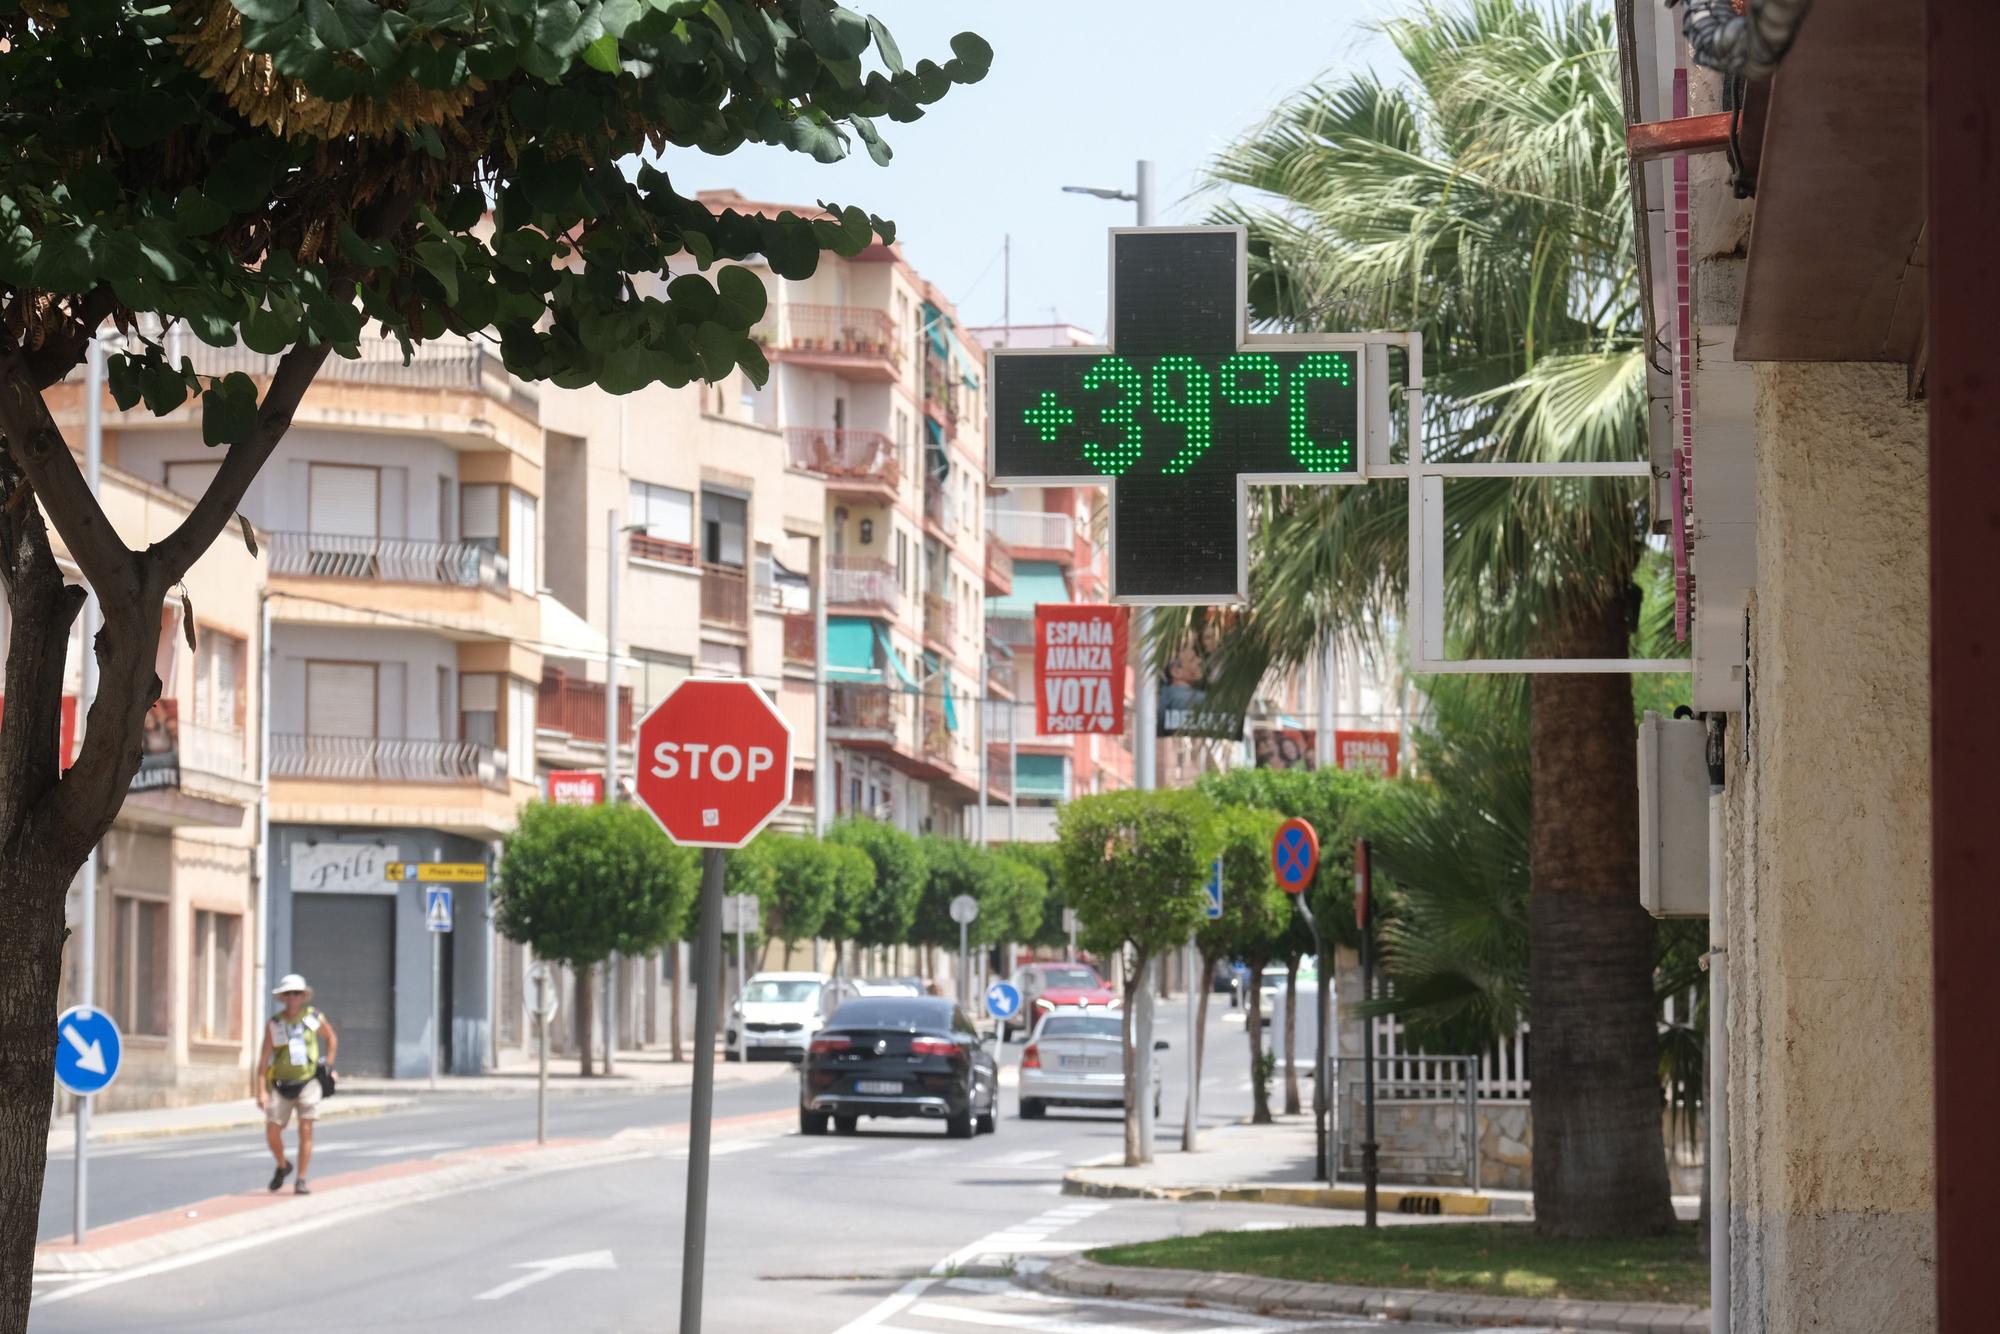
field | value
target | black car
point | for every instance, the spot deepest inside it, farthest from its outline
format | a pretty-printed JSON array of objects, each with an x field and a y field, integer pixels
[{"x": 900, "y": 1056}]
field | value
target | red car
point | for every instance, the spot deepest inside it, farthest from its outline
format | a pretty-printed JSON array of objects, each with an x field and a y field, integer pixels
[{"x": 1057, "y": 986}]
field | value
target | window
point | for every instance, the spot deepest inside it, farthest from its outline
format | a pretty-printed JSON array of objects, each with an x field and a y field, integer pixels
[
  {"x": 520, "y": 730},
  {"x": 479, "y": 515},
  {"x": 658, "y": 674},
  {"x": 218, "y": 685},
  {"x": 523, "y": 543},
  {"x": 341, "y": 698},
  {"x": 722, "y": 659},
  {"x": 903, "y": 562},
  {"x": 343, "y": 500},
  {"x": 139, "y": 965},
  {"x": 668, "y": 513},
  {"x": 479, "y": 708},
  {"x": 215, "y": 978},
  {"x": 725, "y": 523},
  {"x": 191, "y": 479}
]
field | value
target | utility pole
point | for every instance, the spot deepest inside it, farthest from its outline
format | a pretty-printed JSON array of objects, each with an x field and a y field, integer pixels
[{"x": 1364, "y": 913}]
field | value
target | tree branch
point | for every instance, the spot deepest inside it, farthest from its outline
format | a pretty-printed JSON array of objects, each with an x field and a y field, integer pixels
[{"x": 180, "y": 549}]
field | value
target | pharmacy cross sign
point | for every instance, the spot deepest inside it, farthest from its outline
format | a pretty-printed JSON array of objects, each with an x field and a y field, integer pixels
[{"x": 1179, "y": 414}]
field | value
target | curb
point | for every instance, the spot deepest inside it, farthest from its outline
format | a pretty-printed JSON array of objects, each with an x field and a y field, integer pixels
[
  {"x": 1077, "y": 1277},
  {"x": 1085, "y": 1182},
  {"x": 249, "y": 1121}
]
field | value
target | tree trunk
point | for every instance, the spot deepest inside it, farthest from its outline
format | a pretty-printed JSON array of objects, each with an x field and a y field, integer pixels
[
  {"x": 674, "y": 1003},
  {"x": 586, "y": 1040},
  {"x": 1291, "y": 1034},
  {"x": 1138, "y": 1030},
  {"x": 1600, "y": 1167},
  {"x": 1253, "y": 1024},
  {"x": 1201, "y": 1013},
  {"x": 1142, "y": 1034}
]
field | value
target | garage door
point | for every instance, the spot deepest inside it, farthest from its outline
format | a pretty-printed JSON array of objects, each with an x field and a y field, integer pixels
[{"x": 345, "y": 944}]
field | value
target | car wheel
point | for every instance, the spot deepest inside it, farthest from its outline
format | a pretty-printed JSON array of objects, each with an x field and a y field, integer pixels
[
  {"x": 960, "y": 1126},
  {"x": 1156, "y": 1106},
  {"x": 1033, "y": 1109},
  {"x": 729, "y": 1055},
  {"x": 811, "y": 1123},
  {"x": 845, "y": 1125}
]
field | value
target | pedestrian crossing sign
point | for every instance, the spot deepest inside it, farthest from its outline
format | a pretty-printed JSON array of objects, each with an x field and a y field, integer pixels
[{"x": 437, "y": 909}]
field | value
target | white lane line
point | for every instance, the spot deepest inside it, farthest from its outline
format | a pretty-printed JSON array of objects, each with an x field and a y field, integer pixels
[
  {"x": 877, "y": 1316},
  {"x": 913, "y": 1155},
  {"x": 820, "y": 1151},
  {"x": 1223, "y": 1321},
  {"x": 722, "y": 1150},
  {"x": 391, "y": 1150},
  {"x": 1021, "y": 1159},
  {"x": 211, "y": 1151}
]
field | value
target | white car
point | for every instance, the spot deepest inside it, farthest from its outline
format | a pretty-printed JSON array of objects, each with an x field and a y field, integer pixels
[
  {"x": 777, "y": 1014},
  {"x": 1075, "y": 1058}
]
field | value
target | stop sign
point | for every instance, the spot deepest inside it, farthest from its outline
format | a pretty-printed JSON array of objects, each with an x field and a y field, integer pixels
[{"x": 715, "y": 762}]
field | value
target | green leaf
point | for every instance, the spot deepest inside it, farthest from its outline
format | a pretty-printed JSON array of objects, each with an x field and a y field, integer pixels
[
  {"x": 344, "y": 25},
  {"x": 751, "y": 358},
  {"x": 836, "y": 33},
  {"x": 602, "y": 54},
  {"x": 441, "y": 262},
  {"x": 891, "y": 56},
  {"x": 692, "y": 298},
  {"x": 717, "y": 347},
  {"x": 266, "y": 11},
  {"x": 268, "y": 332},
  {"x": 123, "y": 377},
  {"x": 249, "y": 535},
  {"x": 362, "y": 251},
  {"x": 878, "y": 151},
  {"x": 974, "y": 57},
  {"x": 229, "y": 410},
  {"x": 743, "y": 297}
]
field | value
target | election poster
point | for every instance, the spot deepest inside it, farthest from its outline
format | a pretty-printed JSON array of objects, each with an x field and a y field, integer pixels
[
  {"x": 1367, "y": 752},
  {"x": 1285, "y": 748},
  {"x": 1079, "y": 668}
]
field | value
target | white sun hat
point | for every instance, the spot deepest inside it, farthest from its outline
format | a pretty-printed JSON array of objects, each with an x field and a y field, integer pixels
[{"x": 290, "y": 982}]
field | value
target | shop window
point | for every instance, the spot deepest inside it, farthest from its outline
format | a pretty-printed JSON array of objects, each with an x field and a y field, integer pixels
[
  {"x": 215, "y": 977},
  {"x": 139, "y": 965}
]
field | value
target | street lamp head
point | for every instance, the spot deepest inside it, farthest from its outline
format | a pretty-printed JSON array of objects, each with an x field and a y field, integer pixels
[{"x": 1099, "y": 192}]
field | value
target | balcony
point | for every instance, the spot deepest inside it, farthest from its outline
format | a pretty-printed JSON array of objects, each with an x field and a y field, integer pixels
[
  {"x": 393, "y": 560},
  {"x": 941, "y": 391},
  {"x": 853, "y": 341},
  {"x": 213, "y": 750},
  {"x": 576, "y": 708},
  {"x": 999, "y": 670},
  {"x": 725, "y": 596},
  {"x": 801, "y": 639},
  {"x": 940, "y": 620},
  {"x": 857, "y": 706},
  {"x": 661, "y": 551},
  {"x": 863, "y": 581},
  {"x": 1035, "y": 532},
  {"x": 999, "y": 780},
  {"x": 860, "y": 463},
  {"x": 999, "y": 567},
  {"x": 1014, "y": 632},
  {"x": 387, "y": 760},
  {"x": 936, "y": 735},
  {"x": 940, "y": 509}
]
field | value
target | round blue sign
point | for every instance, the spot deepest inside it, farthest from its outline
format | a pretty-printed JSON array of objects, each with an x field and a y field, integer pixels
[
  {"x": 1003, "y": 1000},
  {"x": 1295, "y": 855},
  {"x": 87, "y": 1049}
]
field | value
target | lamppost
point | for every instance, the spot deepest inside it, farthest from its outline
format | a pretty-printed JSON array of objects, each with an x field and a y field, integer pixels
[{"x": 614, "y": 548}]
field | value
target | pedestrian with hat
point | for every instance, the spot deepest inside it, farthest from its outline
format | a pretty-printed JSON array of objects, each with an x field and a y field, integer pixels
[{"x": 294, "y": 1071}]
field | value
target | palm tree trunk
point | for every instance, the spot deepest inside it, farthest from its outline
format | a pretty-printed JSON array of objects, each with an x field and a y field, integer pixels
[
  {"x": 1291, "y": 1033},
  {"x": 1600, "y": 1167}
]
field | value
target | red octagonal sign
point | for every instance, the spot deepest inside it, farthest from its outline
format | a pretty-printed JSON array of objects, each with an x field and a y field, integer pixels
[{"x": 715, "y": 762}]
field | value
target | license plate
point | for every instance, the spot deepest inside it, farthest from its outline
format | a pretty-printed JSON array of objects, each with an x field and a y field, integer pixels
[
  {"x": 878, "y": 1086},
  {"x": 1083, "y": 1062}
]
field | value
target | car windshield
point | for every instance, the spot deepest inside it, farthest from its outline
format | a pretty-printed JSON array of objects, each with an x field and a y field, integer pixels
[
  {"x": 770, "y": 992},
  {"x": 926, "y": 1013},
  {"x": 1070, "y": 977},
  {"x": 1081, "y": 1026}
]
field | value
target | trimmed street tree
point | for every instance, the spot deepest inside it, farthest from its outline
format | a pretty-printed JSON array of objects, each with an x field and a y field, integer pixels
[
  {"x": 580, "y": 883},
  {"x": 883, "y": 915},
  {"x": 1134, "y": 863},
  {"x": 805, "y": 888},
  {"x": 302, "y": 178},
  {"x": 1256, "y": 914}
]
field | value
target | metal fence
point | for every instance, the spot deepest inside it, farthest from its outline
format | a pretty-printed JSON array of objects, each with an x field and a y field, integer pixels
[
  {"x": 395, "y": 560},
  {"x": 1439, "y": 1140},
  {"x": 387, "y": 759}
]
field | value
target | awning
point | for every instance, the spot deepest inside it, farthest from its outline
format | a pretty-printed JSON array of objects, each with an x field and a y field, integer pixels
[
  {"x": 935, "y": 325},
  {"x": 889, "y": 656},
  {"x": 1040, "y": 775},
  {"x": 566, "y": 634},
  {"x": 850, "y": 649},
  {"x": 950, "y": 707},
  {"x": 1034, "y": 581}
]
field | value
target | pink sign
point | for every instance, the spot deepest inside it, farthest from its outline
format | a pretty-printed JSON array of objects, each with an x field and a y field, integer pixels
[
  {"x": 576, "y": 787},
  {"x": 1367, "y": 752}
]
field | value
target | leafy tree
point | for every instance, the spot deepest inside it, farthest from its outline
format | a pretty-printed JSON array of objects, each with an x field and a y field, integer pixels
[
  {"x": 1044, "y": 859},
  {"x": 1483, "y": 201},
  {"x": 1134, "y": 863},
  {"x": 580, "y": 883},
  {"x": 302, "y": 177},
  {"x": 1256, "y": 915},
  {"x": 752, "y": 870},
  {"x": 805, "y": 890},
  {"x": 884, "y": 915}
]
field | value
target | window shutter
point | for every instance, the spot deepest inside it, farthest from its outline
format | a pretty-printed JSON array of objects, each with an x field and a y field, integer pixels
[
  {"x": 342, "y": 500},
  {"x": 340, "y": 698}
]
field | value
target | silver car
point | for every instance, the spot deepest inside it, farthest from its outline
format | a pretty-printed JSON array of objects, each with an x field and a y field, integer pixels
[{"x": 1075, "y": 1058}]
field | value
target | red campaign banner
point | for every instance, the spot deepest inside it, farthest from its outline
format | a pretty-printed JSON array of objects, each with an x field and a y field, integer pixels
[
  {"x": 576, "y": 787},
  {"x": 1079, "y": 668},
  {"x": 1367, "y": 752}
]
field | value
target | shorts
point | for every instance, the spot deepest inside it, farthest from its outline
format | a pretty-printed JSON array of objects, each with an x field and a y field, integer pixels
[{"x": 278, "y": 1109}]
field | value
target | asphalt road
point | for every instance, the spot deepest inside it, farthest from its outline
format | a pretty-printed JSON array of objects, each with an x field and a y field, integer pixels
[{"x": 894, "y": 1228}]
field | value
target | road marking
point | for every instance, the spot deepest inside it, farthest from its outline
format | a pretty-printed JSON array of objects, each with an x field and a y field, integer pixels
[
  {"x": 212, "y": 1151},
  {"x": 877, "y": 1316},
  {"x": 820, "y": 1151},
  {"x": 1221, "y": 1319},
  {"x": 432, "y": 1147},
  {"x": 1022, "y": 1159},
  {"x": 722, "y": 1150},
  {"x": 538, "y": 1270},
  {"x": 912, "y": 1155}
]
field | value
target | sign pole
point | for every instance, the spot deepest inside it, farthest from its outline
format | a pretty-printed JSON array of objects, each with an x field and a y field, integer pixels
[
  {"x": 437, "y": 985},
  {"x": 1364, "y": 909},
  {"x": 707, "y": 973},
  {"x": 1193, "y": 1046},
  {"x": 964, "y": 965}
]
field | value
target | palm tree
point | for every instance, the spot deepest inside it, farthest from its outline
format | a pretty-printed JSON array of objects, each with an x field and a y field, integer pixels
[{"x": 1482, "y": 200}]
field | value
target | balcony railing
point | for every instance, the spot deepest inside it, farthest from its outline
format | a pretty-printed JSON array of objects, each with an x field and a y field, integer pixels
[
  {"x": 1033, "y": 528},
  {"x": 439, "y": 365},
  {"x": 387, "y": 759},
  {"x": 942, "y": 388},
  {"x": 862, "y": 581},
  {"x": 390, "y": 560},
  {"x": 999, "y": 562},
  {"x": 1016, "y": 632},
  {"x": 801, "y": 638},
  {"x": 213, "y": 750},
  {"x": 855, "y": 456},
  {"x": 936, "y": 735},
  {"x": 646, "y": 547},
  {"x": 859, "y": 706},
  {"x": 999, "y": 777},
  {"x": 940, "y": 505},
  {"x": 725, "y": 595},
  {"x": 940, "y": 618},
  {"x": 576, "y": 707},
  {"x": 849, "y": 330}
]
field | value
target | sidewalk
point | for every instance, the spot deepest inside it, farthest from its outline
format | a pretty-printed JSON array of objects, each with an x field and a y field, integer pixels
[
  {"x": 202, "y": 1119},
  {"x": 1271, "y": 1164},
  {"x": 648, "y": 1071}
]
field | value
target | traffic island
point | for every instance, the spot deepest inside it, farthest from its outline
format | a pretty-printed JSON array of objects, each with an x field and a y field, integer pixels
[{"x": 1471, "y": 1273}]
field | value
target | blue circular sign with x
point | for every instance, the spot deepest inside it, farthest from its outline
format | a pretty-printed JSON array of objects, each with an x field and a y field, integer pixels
[{"x": 1295, "y": 855}]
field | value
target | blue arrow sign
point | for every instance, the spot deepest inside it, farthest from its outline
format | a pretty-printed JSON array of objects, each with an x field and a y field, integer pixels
[
  {"x": 1214, "y": 888},
  {"x": 1003, "y": 1000},
  {"x": 437, "y": 909},
  {"x": 87, "y": 1049}
]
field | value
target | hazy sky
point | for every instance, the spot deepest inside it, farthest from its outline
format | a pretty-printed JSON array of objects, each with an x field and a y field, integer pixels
[{"x": 1080, "y": 90}]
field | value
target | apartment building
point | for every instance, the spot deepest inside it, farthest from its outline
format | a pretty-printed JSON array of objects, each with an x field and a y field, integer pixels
[
  {"x": 1044, "y": 544},
  {"x": 879, "y": 394}
]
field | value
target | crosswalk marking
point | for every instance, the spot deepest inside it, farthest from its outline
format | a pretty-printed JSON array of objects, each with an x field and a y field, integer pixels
[
  {"x": 392, "y": 1150},
  {"x": 1033, "y": 1156},
  {"x": 820, "y": 1151},
  {"x": 913, "y": 1155}
]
